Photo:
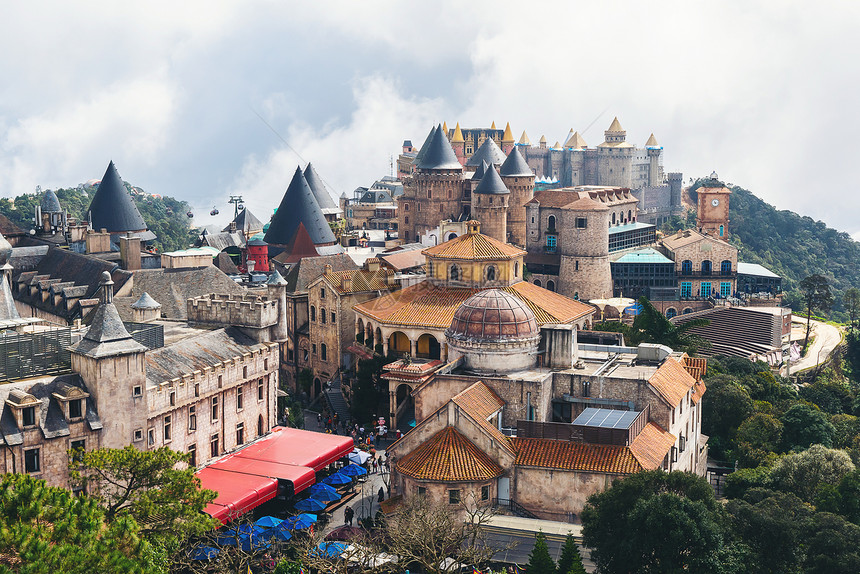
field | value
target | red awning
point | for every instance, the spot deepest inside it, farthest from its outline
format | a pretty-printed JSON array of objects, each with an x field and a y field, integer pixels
[
  {"x": 300, "y": 447},
  {"x": 237, "y": 493},
  {"x": 301, "y": 476}
]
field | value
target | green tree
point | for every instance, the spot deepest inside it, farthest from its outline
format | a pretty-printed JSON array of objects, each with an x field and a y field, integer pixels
[
  {"x": 816, "y": 297},
  {"x": 651, "y": 326},
  {"x": 146, "y": 485},
  {"x": 805, "y": 472},
  {"x": 728, "y": 405},
  {"x": 570, "y": 561},
  {"x": 742, "y": 481},
  {"x": 654, "y": 522},
  {"x": 540, "y": 562},
  {"x": 47, "y": 530},
  {"x": 803, "y": 426},
  {"x": 832, "y": 545},
  {"x": 851, "y": 303},
  {"x": 758, "y": 438}
]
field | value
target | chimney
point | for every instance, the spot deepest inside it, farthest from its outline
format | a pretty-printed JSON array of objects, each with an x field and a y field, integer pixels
[
  {"x": 372, "y": 264},
  {"x": 346, "y": 282},
  {"x": 98, "y": 241},
  {"x": 129, "y": 252}
]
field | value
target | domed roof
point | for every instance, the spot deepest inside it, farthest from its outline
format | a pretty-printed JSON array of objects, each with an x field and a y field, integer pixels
[
  {"x": 50, "y": 203},
  {"x": 493, "y": 316}
]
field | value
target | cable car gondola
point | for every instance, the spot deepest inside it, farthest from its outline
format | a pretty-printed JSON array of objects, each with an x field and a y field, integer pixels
[
  {"x": 190, "y": 215},
  {"x": 214, "y": 211}
]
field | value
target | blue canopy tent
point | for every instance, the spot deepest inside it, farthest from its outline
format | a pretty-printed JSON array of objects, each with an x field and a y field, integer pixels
[
  {"x": 353, "y": 470},
  {"x": 330, "y": 549},
  {"x": 257, "y": 539},
  {"x": 320, "y": 487},
  {"x": 338, "y": 479},
  {"x": 281, "y": 532},
  {"x": 268, "y": 522},
  {"x": 310, "y": 505},
  {"x": 204, "y": 553}
]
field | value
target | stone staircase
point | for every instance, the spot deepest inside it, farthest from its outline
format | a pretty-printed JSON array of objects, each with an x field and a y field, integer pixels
[{"x": 336, "y": 401}]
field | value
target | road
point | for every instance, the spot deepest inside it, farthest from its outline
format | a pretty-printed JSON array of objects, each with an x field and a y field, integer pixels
[{"x": 827, "y": 337}]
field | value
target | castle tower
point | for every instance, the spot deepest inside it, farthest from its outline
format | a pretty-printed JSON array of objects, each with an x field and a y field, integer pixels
[
  {"x": 299, "y": 207},
  {"x": 113, "y": 366},
  {"x": 520, "y": 181},
  {"x": 488, "y": 152},
  {"x": 712, "y": 215},
  {"x": 329, "y": 208},
  {"x": 490, "y": 204},
  {"x": 542, "y": 143},
  {"x": 654, "y": 151},
  {"x": 615, "y": 158},
  {"x": 112, "y": 208},
  {"x": 676, "y": 184},
  {"x": 524, "y": 139},
  {"x": 584, "y": 271},
  {"x": 508, "y": 140},
  {"x": 50, "y": 217},
  {"x": 459, "y": 144},
  {"x": 277, "y": 288}
]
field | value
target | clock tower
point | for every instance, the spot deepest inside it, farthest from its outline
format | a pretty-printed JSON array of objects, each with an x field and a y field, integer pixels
[{"x": 713, "y": 208}]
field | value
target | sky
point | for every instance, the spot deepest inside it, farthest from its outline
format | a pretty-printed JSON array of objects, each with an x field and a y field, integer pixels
[{"x": 203, "y": 100}]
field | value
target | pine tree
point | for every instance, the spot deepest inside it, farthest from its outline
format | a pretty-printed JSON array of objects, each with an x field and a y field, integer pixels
[
  {"x": 540, "y": 562},
  {"x": 570, "y": 561}
]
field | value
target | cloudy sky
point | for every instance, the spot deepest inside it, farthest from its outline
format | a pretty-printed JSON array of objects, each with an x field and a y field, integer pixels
[{"x": 197, "y": 99}]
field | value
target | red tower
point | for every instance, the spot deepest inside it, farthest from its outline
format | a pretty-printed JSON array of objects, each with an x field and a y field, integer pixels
[{"x": 258, "y": 252}]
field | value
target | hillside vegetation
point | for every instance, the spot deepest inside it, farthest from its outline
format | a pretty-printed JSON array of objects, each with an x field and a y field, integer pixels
[{"x": 165, "y": 216}]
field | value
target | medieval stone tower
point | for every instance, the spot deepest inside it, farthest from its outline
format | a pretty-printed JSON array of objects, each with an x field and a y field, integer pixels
[
  {"x": 713, "y": 208},
  {"x": 615, "y": 157},
  {"x": 520, "y": 181},
  {"x": 490, "y": 204}
]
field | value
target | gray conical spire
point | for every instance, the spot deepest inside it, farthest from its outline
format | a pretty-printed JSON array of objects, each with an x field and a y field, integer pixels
[
  {"x": 276, "y": 279},
  {"x": 491, "y": 183},
  {"x": 50, "y": 203},
  {"x": 488, "y": 152},
  {"x": 299, "y": 206},
  {"x": 479, "y": 173},
  {"x": 440, "y": 154},
  {"x": 112, "y": 207},
  {"x": 145, "y": 301},
  {"x": 107, "y": 336},
  {"x": 422, "y": 151},
  {"x": 515, "y": 165}
]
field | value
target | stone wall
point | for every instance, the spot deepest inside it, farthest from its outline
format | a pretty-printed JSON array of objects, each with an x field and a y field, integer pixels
[
  {"x": 556, "y": 494},
  {"x": 53, "y": 453},
  {"x": 236, "y": 310}
]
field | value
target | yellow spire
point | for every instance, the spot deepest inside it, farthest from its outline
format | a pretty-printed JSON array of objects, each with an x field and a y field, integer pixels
[
  {"x": 508, "y": 136},
  {"x": 524, "y": 139},
  {"x": 458, "y": 135},
  {"x": 616, "y": 126},
  {"x": 557, "y": 146},
  {"x": 575, "y": 141},
  {"x": 652, "y": 142},
  {"x": 492, "y": 127},
  {"x": 445, "y": 129},
  {"x": 543, "y": 139}
]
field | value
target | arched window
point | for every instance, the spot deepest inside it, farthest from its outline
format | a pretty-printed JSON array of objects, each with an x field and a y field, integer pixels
[
  {"x": 671, "y": 312},
  {"x": 323, "y": 352},
  {"x": 537, "y": 282},
  {"x": 629, "y": 215},
  {"x": 613, "y": 219},
  {"x": 550, "y": 222},
  {"x": 722, "y": 230},
  {"x": 726, "y": 267},
  {"x": 706, "y": 267},
  {"x": 313, "y": 313},
  {"x": 454, "y": 272},
  {"x": 686, "y": 267},
  {"x": 406, "y": 220},
  {"x": 322, "y": 315},
  {"x": 516, "y": 269},
  {"x": 491, "y": 272},
  {"x": 688, "y": 310},
  {"x": 550, "y": 285},
  {"x": 261, "y": 428},
  {"x": 429, "y": 193}
]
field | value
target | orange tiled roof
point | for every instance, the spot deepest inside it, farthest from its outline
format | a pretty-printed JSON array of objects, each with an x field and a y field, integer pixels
[
  {"x": 474, "y": 246},
  {"x": 672, "y": 381},
  {"x": 448, "y": 456},
  {"x": 578, "y": 456},
  {"x": 549, "y": 306},
  {"x": 651, "y": 446},
  {"x": 480, "y": 402},
  {"x": 696, "y": 366},
  {"x": 362, "y": 280},
  {"x": 698, "y": 391}
]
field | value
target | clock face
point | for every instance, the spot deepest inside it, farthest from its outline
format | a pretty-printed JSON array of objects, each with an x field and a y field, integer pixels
[{"x": 715, "y": 202}]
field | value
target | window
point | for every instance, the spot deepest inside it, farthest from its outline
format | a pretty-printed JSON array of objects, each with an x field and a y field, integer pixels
[
  {"x": 686, "y": 289},
  {"x": 167, "y": 420},
  {"x": 213, "y": 446},
  {"x": 75, "y": 410},
  {"x": 150, "y": 436},
  {"x": 551, "y": 241},
  {"x": 406, "y": 206},
  {"x": 726, "y": 267},
  {"x": 305, "y": 354},
  {"x": 192, "y": 454},
  {"x": 196, "y": 389},
  {"x": 671, "y": 312},
  {"x": 586, "y": 388},
  {"x": 485, "y": 492},
  {"x": 576, "y": 265},
  {"x": 214, "y": 408},
  {"x": 172, "y": 398},
  {"x": 31, "y": 460},
  {"x": 722, "y": 230},
  {"x": 220, "y": 381},
  {"x": 454, "y": 272},
  {"x": 314, "y": 348},
  {"x": 322, "y": 293},
  {"x": 550, "y": 223},
  {"x": 581, "y": 222},
  {"x": 314, "y": 309},
  {"x": 240, "y": 399},
  {"x": 137, "y": 391},
  {"x": 192, "y": 418},
  {"x": 491, "y": 273},
  {"x": 550, "y": 285},
  {"x": 260, "y": 390},
  {"x": 686, "y": 267},
  {"x": 260, "y": 426},
  {"x": 77, "y": 447},
  {"x": 706, "y": 267},
  {"x": 454, "y": 497},
  {"x": 422, "y": 491},
  {"x": 406, "y": 220},
  {"x": 322, "y": 315},
  {"x": 323, "y": 352},
  {"x": 240, "y": 433},
  {"x": 538, "y": 283},
  {"x": 705, "y": 289},
  {"x": 138, "y": 435},
  {"x": 517, "y": 269},
  {"x": 29, "y": 416},
  {"x": 441, "y": 208},
  {"x": 333, "y": 317},
  {"x": 725, "y": 289},
  {"x": 682, "y": 444}
]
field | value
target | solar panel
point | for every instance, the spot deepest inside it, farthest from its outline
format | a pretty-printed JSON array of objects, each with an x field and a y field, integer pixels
[{"x": 606, "y": 418}]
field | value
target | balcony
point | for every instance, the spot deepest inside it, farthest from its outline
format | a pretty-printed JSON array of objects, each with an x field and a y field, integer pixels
[{"x": 706, "y": 275}]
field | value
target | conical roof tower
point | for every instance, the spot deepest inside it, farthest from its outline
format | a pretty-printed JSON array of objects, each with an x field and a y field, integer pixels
[
  {"x": 515, "y": 166},
  {"x": 491, "y": 183},
  {"x": 320, "y": 190},
  {"x": 422, "y": 151},
  {"x": 488, "y": 152},
  {"x": 51, "y": 204},
  {"x": 247, "y": 223},
  {"x": 299, "y": 206},
  {"x": 439, "y": 153},
  {"x": 112, "y": 208}
]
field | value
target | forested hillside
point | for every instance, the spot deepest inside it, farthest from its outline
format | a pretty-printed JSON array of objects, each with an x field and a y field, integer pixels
[
  {"x": 165, "y": 216},
  {"x": 793, "y": 246}
]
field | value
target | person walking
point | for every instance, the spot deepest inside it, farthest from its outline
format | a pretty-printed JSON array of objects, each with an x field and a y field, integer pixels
[
  {"x": 380, "y": 496},
  {"x": 347, "y": 515}
]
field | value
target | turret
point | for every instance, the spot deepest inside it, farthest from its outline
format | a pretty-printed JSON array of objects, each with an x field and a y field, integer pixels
[
  {"x": 459, "y": 144},
  {"x": 490, "y": 204},
  {"x": 508, "y": 139},
  {"x": 654, "y": 151}
]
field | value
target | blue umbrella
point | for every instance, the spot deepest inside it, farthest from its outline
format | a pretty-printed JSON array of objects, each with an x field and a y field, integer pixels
[
  {"x": 227, "y": 538},
  {"x": 353, "y": 470},
  {"x": 330, "y": 549},
  {"x": 310, "y": 505},
  {"x": 268, "y": 522},
  {"x": 204, "y": 553},
  {"x": 257, "y": 539},
  {"x": 300, "y": 522},
  {"x": 281, "y": 532},
  {"x": 338, "y": 478},
  {"x": 320, "y": 487},
  {"x": 325, "y": 496}
]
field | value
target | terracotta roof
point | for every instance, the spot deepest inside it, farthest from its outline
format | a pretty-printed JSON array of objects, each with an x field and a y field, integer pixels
[
  {"x": 362, "y": 280},
  {"x": 400, "y": 260},
  {"x": 698, "y": 391},
  {"x": 696, "y": 366},
  {"x": 578, "y": 456},
  {"x": 549, "y": 306},
  {"x": 651, "y": 446},
  {"x": 687, "y": 237},
  {"x": 448, "y": 456},
  {"x": 480, "y": 402},
  {"x": 672, "y": 381},
  {"x": 474, "y": 246}
]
